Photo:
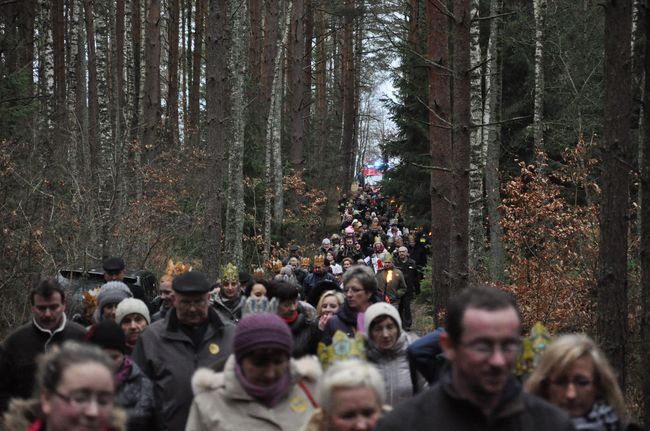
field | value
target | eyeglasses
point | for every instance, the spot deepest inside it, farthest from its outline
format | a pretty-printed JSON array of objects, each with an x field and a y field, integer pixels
[
  {"x": 578, "y": 383},
  {"x": 84, "y": 399},
  {"x": 487, "y": 349}
]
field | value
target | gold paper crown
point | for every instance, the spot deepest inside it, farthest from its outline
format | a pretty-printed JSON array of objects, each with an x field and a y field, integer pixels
[
  {"x": 90, "y": 297},
  {"x": 319, "y": 260},
  {"x": 229, "y": 273},
  {"x": 174, "y": 269},
  {"x": 342, "y": 348},
  {"x": 531, "y": 349},
  {"x": 277, "y": 266},
  {"x": 258, "y": 273},
  {"x": 305, "y": 261}
]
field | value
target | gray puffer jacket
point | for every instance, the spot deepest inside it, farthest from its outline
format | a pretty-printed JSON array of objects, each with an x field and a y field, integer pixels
[
  {"x": 135, "y": 395},
  {"x": 394, "y": 368}
]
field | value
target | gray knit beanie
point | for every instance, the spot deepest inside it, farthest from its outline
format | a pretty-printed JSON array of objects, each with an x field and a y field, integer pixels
[{"x": 112, "y": 293}]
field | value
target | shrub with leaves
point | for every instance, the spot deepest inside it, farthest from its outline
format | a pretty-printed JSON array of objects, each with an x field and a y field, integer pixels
[{"x": 553, "y": 243}]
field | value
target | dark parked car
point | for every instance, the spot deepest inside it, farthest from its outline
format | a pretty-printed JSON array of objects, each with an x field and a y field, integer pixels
[{"x": 77, "y": 280}]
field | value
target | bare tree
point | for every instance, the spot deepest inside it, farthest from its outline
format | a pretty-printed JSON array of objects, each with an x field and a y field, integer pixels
[
  {"x": 151, "y": 108},
  {"x": 217, "y": 111},
  {"x": 295, "y": 85},
  {"x": 539, "y": 7},
  {"x": 611, "y": 320},
  {"x": 172, "y": 82}
]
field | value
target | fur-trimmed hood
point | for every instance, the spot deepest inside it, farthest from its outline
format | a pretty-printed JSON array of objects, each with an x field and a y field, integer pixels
[
  {"x": 22, "y": 413},
  {"x": 205, "y": 379}
]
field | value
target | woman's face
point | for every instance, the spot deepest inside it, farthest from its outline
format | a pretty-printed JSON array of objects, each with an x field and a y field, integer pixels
[
  {"x": 330, "y": 305},
  {"x": 356, "y": 295},
  {"x": 384, "y": 332},
  {"x": 264, "y": 367},
  {"x": 258, "y": 290},
  {"x": 353, "y": 409},
  {"x": 575, "y": 391},
  {"x": 83, "y": 400}
]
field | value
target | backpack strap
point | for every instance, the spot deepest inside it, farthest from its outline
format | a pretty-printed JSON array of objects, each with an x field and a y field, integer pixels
[{"x": 304, "y": 388}]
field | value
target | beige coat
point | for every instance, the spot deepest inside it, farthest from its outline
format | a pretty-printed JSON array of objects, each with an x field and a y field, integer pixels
[{"x": 221, "y": 403}]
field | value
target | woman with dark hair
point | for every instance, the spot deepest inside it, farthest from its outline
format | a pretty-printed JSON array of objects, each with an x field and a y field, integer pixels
[
  {"x": 76, "y": 391},
  {"x": 359, "y": 288},
  {"x": 303, "y": 327},
  {"x": 257, "y": 288}
]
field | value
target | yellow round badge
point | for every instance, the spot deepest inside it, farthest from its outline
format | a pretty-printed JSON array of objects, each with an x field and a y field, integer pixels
[
  {"x": 214, "y": 349},
  {"x": 298, "y": 404}
]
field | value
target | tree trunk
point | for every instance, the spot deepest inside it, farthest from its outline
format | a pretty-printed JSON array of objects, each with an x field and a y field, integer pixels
[
  {"x": 307, "y": 73},
  {"x": 93, "y": 101},
  {"x": 539, "y": 7},
  {"x": 461, "y": 148},
  {"x": 238, "y": 72},
  {"x": 440, "y": 142},
  {"x": 172, "y": 84},
  {"x": 612, "y": 276},
  {"x": 81, "y": 97},
  {"x": 195, "y": 84},
  {"x": 60, "y": 118},
  {"x": 217, "y": 111},
  {"x": 151, "y": 108},
  {"x": 644, "y": 238},
  {"x": 477, "y": 144},
  {"x": 348, "y": 79},
  {"x": 491, "y": 118},
  {"x": 295, "y": 85},
  {"x": 320, "y": 135}
]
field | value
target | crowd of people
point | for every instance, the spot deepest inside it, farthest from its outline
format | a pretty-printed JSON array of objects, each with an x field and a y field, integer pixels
[{"x": 306, "y": 343}]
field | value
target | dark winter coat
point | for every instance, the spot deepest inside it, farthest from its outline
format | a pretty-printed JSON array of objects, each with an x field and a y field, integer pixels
[
  {"x": 168, "y": 357},
  {"x": 442, "y": 408},
  {"x": 305, "y": 335},
  {"x": 135, "y": 395},
  {"x": 345, "y": 320},
  {"x": 21, "y": 348},
  {"x": 228, "y": 314},
  {"x": 313, "y": 279}
]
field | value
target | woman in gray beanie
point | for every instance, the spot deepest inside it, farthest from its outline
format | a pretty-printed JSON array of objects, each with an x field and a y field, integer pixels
[
  {"x": 110, "y": 294},
  {"x": 261, "y": 387}
]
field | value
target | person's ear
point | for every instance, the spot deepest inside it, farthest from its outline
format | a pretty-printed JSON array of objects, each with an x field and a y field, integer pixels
[{"x": 447, "y": 345}]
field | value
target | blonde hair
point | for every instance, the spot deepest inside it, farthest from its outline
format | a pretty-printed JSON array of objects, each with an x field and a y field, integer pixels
[
  {"x": 560, "y": 356},
  {"x": 351, "y": 374},
  {"x": 338, "y": 295}
]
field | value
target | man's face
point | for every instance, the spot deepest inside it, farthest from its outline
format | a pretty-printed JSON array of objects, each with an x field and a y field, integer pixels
[
  {"x": 326, "y": 245},
  {"x": 294, "y": 263},
  {"x": 191, "y": 308},
  {"x": 114, "y": 275},
  {"x": 318, "y": 269},
  {"x": 48, "y": 312},
  {"x": 287, "y": 308},
  {"x": 349, "y": 242},
  {"x": 230, "y": 289},
  {"x": 403, "y": 253},
  {"x": 133, "y": 324},
  {"x": 483, "y": 361},
  {"x": 165, "y": 291}
]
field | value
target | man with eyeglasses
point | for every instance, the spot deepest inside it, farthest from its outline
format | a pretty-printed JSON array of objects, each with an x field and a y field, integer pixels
[
  {"x": 48, "y": 327},
  {"x": 190, "y": 336},
  {"x": 479, "y": 391}
]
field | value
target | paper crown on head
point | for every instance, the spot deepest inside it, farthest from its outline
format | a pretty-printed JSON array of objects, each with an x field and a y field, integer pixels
[
  {"x": 174, "y": 269},
  {"x": 305, "y": 261},
  {"x": 531, "y": 349},
  {"x": 90, "y": 297},
  {"x": 277, "y": 266},
  {"x": 229, "y": 273},
  {"x": 319, "y": 260},
  {"x": 342, "y": 348},
  {"x": 258, "y": 273}
]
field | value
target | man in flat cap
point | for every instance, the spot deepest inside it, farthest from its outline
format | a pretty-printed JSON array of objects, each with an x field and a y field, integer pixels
[
  {"x": 190, "y": 336},
  {"x": 114, "y": 268}
]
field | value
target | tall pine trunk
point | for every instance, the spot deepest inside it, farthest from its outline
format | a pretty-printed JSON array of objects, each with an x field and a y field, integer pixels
[
  {"x": 238, "y": 71},
  {"x": 151, "y": 108},
  {"x": 172, "y": 84},
  {"x": 295, "y": 86},
  {"x": 493, "y": 141},
  {"x": 459, "y": 253},
  {"x": 440, "y": 142},
  {"x": 93, "y": 101},
  {"x": 217, "y": 111},
  {"x": 644, "y": 237},
  {"x": 195, "y": 83},
  {"x": 612, "y": 310},
  {"x": 348, "y": 80}
]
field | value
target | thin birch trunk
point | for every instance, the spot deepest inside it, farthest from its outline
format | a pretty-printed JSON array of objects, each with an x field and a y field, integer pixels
[
  {"x": 477, "y": 144},
  {"x": 539, "y": 8},
  {"x": 275, "y": 136}
]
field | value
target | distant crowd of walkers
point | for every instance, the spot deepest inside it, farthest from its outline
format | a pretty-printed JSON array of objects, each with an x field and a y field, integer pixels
[{"x": 318, "y": 343}]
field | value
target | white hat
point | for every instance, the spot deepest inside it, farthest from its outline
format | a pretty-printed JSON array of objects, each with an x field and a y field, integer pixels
[
  {"x": 381, "y": 309},
  {"x": 131, "y": 306}
]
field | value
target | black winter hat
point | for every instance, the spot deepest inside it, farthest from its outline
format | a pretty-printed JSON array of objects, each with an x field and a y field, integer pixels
[
  {"x": 113, "y": 264},
  {"x": 191, "y": 282},
  {"x": 108, "y": 335}
]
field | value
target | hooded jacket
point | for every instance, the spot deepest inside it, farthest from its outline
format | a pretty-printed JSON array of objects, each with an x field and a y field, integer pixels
[{"x": 221, "y": 403}]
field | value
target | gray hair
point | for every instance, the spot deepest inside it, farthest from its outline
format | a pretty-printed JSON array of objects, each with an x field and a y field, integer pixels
[
  {"x": 351, "y": 374},
  {"x": 364, "y": 275}
]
